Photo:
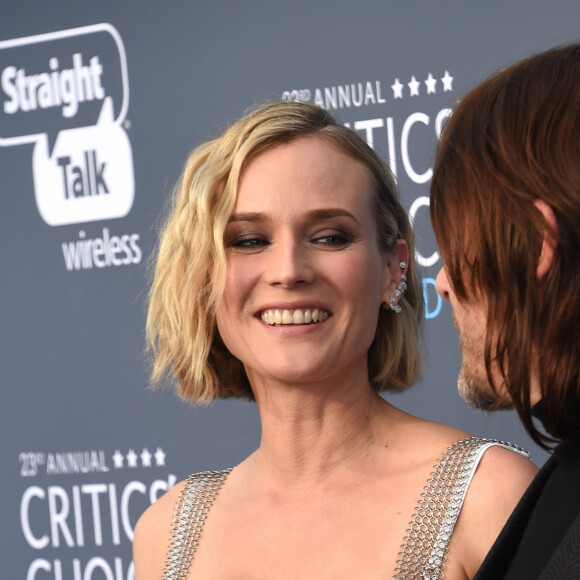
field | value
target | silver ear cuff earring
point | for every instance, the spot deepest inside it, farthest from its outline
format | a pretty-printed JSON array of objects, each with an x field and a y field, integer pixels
[{"x": 399, "y": 291}]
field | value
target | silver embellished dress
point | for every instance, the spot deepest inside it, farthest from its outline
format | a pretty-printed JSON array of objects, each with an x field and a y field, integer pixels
[{"x": 424, "y": 549}]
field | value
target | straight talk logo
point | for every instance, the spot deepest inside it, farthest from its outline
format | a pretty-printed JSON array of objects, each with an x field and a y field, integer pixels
[
  {"x": 65, "y": 88},
  {"x": 83, "y": 180},
  {"x": 73, "y": 109}
]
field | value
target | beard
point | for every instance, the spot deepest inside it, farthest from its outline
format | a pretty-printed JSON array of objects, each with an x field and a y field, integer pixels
[
  {"x": 475, "y": 392},
  {"x": 478, "y": 393},
  {"x": 472, "y": 383}
]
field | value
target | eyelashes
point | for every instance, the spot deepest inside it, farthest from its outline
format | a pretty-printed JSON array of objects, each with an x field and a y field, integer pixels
[
  {"x": 327, "y": 239},
  {"x": 248, "y": 243},
  {"x": 333, "y": 240}
]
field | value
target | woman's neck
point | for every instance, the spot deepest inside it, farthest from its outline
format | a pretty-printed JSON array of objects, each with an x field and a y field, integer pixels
[{"x": 309, "y": 431}]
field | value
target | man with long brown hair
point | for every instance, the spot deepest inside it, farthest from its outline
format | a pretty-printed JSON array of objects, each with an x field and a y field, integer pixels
[{"x": 505, "y": 207}]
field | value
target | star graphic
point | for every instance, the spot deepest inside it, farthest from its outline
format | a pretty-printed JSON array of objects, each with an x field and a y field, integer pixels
[
  {"x": 146, "y": 458},
  {"x": 414, "y": 87},
  {"x": 118, "y": 459},
  {"x": 397, "y": 89},
  {"x": 132, "y": 458},
  {"x": 447, "y": 81},
  {"x": 430, "y": 83},
  {"x": 159, "y": 457}
]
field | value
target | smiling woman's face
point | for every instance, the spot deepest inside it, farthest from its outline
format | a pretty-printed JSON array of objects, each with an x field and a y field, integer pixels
[{"x": 305, "y": 276}]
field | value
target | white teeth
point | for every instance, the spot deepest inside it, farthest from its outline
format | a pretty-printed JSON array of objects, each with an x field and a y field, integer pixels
[{"x": 287, "y": 317}]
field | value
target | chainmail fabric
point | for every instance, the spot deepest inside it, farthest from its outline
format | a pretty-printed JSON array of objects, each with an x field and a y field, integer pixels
[
  {"x": 195, "y": 501},
  {"x": 424, "y": 549}
]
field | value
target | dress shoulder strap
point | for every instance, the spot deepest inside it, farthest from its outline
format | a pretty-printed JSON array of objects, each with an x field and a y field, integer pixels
[
  {"x": 424, "y": 549},
  {"x": 193, "y": 504}
]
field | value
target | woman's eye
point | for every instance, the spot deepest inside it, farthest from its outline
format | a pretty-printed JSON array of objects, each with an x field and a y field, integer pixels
[
  {"x": 249, "y": 243},
  {"x": 335, "y": 240}
]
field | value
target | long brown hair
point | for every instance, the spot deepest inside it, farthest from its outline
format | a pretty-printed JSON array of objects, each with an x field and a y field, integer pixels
[{"x": 512, "y": 140}]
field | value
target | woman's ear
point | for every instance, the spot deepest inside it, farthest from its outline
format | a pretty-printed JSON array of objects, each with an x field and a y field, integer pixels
[
  {"x": 395, "y": 269},
  {"x": 549, "y": 243}
]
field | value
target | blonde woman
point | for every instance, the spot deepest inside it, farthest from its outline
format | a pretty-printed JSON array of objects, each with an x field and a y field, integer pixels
[{"x": 285, "y": 275}]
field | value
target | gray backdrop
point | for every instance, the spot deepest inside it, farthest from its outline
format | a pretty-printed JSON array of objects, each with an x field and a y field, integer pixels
[{"x": 101, "y": 104}]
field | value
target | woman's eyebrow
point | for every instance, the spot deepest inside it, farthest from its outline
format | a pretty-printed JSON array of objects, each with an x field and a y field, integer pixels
[
  {"x": 315, "y": 214},
  {"x": 248, "y": 217},
  {"x": 330, "y": 213}
]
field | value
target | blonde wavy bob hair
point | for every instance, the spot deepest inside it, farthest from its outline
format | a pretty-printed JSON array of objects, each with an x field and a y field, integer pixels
[{"x": 190, "y": 266}]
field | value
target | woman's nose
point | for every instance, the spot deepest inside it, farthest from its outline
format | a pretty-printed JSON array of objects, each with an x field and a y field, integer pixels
[
  {"x": 442, "y": 284},
  {"x": 289, "y": 265}
]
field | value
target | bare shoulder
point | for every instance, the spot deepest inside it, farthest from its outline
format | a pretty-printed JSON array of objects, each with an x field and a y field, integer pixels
[
  {"x": 422, "y": 439},
  {"x": 152, "y": 533},
  {"x": 514, "y": 465},
  {"x": 423, "y": 429},
  {"x": 501, "y": 479}
]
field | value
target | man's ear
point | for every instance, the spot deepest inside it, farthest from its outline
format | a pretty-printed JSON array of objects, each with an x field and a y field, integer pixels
[{"x": 549, "y": 243}]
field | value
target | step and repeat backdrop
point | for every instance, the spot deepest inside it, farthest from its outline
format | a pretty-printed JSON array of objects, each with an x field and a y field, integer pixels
[{"x": 100, "y": 105}]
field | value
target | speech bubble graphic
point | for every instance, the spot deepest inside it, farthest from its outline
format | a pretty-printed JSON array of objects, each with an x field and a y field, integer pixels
[
  {"x": 68, "y": 93},
  {"x": 88, "y": 176},
  {"x": 57, "y": 81}
]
